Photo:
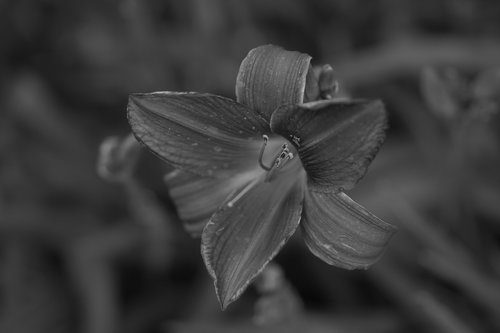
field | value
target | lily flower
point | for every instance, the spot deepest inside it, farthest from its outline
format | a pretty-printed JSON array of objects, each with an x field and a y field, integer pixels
[{"x": 250, "y": 171}]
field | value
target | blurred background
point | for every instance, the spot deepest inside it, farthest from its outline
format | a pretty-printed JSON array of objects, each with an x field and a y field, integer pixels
[{"x": 90, "y": 254}]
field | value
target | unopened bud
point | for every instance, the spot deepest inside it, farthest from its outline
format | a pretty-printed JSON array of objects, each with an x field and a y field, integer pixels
[{"x": 117, "y": 158}]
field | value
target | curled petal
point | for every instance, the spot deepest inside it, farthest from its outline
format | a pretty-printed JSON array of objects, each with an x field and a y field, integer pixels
[
  {"x": 204, "y": 134},
  {"x": 248, "y": 231},
  {"x": 270, "y": 76},
  {"x": 336, "y": 140},
  {"x": 343, "y": 233},
  {"x": 197, "y": 198}
]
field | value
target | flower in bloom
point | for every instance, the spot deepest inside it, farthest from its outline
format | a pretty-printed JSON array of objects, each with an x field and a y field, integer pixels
[{"x": 251, "y": 171}]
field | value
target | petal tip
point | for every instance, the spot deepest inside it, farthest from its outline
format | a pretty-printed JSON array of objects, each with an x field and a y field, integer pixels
[
  {"x": 225, "y": 297},
  {"x": 133, "y": 107},
  {"x": 342, "y": 263},
  {"x": 342, "y": 233}
]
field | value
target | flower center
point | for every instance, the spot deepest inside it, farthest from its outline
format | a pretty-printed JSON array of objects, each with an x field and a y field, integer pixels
[
  {"x": 285, "y": 163},
  {"x": 281, "y": 158}
]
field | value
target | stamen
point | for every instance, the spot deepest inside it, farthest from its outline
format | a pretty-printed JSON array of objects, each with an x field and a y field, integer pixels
[{"x": 280, "y": 159}]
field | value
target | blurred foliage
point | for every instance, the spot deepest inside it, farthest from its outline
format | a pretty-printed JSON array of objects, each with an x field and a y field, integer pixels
[{"x": 80, "y": 254}]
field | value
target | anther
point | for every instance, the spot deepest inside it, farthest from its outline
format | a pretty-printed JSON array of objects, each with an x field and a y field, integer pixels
[{"x": 279, "y": 161}]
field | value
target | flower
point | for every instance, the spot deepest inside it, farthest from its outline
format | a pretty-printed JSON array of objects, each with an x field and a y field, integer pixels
[{"x": 251, "y": 171}]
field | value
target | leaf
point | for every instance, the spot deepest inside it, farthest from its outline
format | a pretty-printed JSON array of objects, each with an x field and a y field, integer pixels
[
  {"x": 249, "y": 230},
  {"x": 204, "y": 134},
  {"x": 438, "y": 93},
  {"x": 270, "y": 76},
  {"x": 336, "y": 140},
  {"x": 343, "y": 233}
]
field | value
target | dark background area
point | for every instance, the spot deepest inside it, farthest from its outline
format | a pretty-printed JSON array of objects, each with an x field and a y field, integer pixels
[{"x": 81, "y": 254}]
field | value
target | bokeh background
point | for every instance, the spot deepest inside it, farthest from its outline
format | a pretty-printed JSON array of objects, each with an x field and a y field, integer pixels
[{"x": 79, "y": 253}]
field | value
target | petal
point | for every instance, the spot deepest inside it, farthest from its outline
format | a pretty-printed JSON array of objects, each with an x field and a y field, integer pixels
[
  {"x": 336, "y": 140},
  {"x": 341, "y": 232},
  {"x": 201, "y": 133},
  {"x": 270, "y": 76},
  {"x": 197, "y": 198},
  {"x": 249, "y": 230}
]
